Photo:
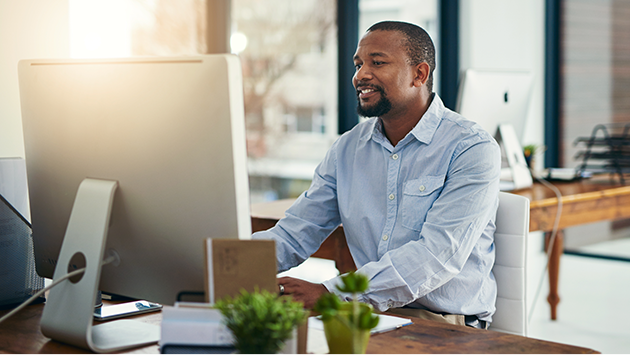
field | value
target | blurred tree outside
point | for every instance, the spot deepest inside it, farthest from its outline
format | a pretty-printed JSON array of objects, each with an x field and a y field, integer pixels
[{"x": 290, "y": 46}]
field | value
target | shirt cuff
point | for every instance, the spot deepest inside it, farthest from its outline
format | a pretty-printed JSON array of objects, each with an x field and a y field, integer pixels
[
  {"x": 380, "y": 306},
  {"x": 331, "y": 286}
]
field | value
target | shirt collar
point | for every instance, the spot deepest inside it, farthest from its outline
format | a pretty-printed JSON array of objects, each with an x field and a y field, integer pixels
[
  {"x": 423, "y": 131},
  {"x": 428, "y": 124}
]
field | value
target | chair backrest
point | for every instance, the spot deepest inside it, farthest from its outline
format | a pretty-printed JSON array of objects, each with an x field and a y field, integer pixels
[{"x": 509, "y": 269}]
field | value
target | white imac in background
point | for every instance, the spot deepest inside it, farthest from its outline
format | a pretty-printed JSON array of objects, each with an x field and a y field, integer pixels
[
  {"x": 154, "y": 151},
  {"x": 499, "y": 102}
]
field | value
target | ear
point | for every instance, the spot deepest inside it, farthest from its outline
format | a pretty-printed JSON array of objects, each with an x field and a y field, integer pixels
[{"x": 421, "y": 74}]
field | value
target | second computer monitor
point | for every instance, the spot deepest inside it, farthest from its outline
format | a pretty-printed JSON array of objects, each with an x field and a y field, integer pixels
[{"x": 494, "y": 97}]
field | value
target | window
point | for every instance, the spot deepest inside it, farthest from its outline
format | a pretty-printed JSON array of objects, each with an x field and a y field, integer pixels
[
  {"x": 122, "y": 28},
  {"x": 290, "y": 65},
  {"x": 290, "y": 70}
]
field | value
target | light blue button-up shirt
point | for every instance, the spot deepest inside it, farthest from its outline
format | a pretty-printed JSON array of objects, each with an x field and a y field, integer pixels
[{"x": 418, "y": 217}]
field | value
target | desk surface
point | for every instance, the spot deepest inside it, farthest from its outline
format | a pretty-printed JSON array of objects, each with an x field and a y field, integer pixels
[
  {"x": 21, "y": 334},
  {"x": 583, "y": 202}
]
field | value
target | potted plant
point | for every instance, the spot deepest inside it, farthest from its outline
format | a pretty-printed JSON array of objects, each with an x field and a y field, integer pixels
[
  {"x": 347, "y": 325},
  {"x": 530, "y": 151},
  {"x": 260, "y": 321}
]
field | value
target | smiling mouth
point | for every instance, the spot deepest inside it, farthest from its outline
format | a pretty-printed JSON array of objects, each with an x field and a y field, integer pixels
[{"x": 365, "y": 92}]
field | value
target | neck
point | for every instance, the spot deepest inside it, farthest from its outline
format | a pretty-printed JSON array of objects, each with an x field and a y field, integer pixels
[{"x": 398, "y": 124}]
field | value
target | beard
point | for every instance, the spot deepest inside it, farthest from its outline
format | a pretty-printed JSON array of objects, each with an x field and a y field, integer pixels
[{"x": 381, "y": 107}]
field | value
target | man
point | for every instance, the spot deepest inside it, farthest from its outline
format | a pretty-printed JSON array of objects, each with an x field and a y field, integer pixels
[{"x": 415, "y": 187}]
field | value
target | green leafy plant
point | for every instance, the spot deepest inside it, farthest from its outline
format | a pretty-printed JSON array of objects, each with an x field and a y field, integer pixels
[
  {"x": 343, "y": 320},
  {"x": 260, "y": 321},
  {"x": 530, "y": 151}
]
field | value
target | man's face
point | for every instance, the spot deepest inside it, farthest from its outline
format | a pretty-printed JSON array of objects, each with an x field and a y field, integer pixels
[{"x": 383, "y": 79}]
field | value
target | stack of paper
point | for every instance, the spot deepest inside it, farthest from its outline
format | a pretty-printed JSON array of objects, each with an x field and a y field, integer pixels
[
  {"x": 197, "y": 327},
  {"x": 189, "y": 324}
]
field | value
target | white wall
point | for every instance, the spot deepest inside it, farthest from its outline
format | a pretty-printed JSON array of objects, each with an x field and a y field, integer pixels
[
  {"x": 507, "y": 34},
  {"x": 28, "y": 29}
]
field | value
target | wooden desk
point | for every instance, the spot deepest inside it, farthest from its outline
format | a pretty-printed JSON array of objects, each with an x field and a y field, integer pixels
[
  {"x": 21, "y": 334},
  {"x": 584, "y": 202},
  {"x": 429, "y": 337}
]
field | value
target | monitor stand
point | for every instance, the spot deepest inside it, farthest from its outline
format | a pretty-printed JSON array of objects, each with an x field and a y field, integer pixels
[
  {"x": 69, "y": 311},
  {"x": 516, "y": 175}
]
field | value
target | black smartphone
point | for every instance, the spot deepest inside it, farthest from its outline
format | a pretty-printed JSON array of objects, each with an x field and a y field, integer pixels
[{"x": 104, "y": 313}]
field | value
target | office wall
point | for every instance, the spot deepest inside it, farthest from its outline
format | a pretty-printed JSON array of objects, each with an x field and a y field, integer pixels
[
  {"x": 507, "y": 34},
  {"x": 28, "y": 29}
]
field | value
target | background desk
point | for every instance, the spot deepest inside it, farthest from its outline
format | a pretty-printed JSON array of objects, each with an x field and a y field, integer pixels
[
  {"x": 21, "y": 334},
  {"x": 587, "y": 201}
]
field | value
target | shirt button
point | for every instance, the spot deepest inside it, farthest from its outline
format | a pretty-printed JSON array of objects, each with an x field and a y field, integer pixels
[
  {"x": 389, "y": 305},
  {"x": 385, "y": 237},
  {"x": 421, "y": 188},
  {"x": 391, "y": 196},
  {"x": 395, "y": 156}
]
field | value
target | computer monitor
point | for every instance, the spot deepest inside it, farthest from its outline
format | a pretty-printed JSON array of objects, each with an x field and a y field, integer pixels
[
  {"x": 498, "y": 100},
  {"x": 169, "y": 131},
  {"x": 493, "y": 97}
]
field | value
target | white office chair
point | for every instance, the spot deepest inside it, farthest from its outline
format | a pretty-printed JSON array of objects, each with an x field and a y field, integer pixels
[{"x": 510, "y": 241}]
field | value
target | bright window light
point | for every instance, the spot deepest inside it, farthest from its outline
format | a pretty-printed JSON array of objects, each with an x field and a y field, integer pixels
[
  {"x": 238, "y": 42},
  {"x": 100, "y": 28}
]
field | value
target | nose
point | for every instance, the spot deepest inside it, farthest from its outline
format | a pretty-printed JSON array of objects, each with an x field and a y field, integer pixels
[{"x": 361, "y": 74}]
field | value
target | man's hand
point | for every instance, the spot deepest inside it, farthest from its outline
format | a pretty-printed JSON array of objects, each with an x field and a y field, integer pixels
[{"x": 302, "y": 291}]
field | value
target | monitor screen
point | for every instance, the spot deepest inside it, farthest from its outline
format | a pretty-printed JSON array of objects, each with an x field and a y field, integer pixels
[
  {"x": 170, "y": 131},
  {"x": 492, "y": 97}
]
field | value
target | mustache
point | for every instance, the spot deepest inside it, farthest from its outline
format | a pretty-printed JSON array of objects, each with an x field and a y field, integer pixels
[{"x": 363, "y": 85}]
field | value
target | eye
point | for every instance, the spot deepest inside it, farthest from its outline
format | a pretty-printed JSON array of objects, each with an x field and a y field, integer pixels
[
  {"x": 357, "y": 66},
  {"x": 376, "y": 62}
]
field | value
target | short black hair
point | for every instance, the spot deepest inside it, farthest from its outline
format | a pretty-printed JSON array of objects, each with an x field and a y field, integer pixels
[{"x": 419, "y": 45}]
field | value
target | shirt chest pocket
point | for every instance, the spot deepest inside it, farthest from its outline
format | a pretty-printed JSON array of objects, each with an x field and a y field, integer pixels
[{"x": 418, "y": 197}]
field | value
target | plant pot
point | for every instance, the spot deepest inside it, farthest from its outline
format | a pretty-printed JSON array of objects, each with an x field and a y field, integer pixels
[{"x": 339, "y": 335}]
